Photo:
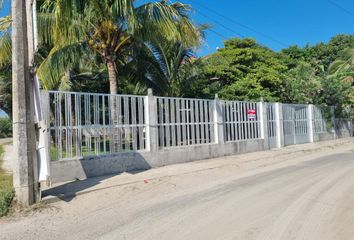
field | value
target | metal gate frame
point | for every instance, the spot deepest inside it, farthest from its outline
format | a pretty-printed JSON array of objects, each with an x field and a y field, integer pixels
[
  {"x": 296, "y": 120},
  {"x": 272, "y": 125}
]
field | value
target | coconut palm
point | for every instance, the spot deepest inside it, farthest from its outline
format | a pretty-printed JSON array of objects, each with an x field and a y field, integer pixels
[
  {"x": 5, "y": 40},
  {"x": 110, "y": 29},
  {"x": 338, "y": 83},
  {"x": 161, "y": 65},
  {"x": 343, "y": 67}
]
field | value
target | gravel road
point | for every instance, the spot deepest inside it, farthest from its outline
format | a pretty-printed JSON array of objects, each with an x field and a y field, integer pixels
[{"x": 309, "y": 195}]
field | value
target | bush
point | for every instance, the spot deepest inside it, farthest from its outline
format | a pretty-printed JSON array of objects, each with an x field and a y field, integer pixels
[
  {"x": 6, "y": 197},
  {"x": 7, "y": 192},
  {"x": 5, "y": 127}
]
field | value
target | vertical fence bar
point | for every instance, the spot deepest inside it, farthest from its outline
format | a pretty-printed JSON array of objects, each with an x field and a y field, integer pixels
[
  {"x": 206, "y": 120},
  {"x": 197, "y": 120},
  {"x": 178, "y": 121},
  {"x": 279, "y": 125},
  {"x": 192, "y": 114},
  {"x": 141, "y": 123},
  {"x": 167, "y": 122},
  {"x": 134, "y": 123},
  {"x": 310, "y": 123},
  {"x": 173, "y": 122}
]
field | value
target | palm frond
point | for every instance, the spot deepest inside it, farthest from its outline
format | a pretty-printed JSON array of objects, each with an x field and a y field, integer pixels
[
  {"x": 5, "y": 40},
  {"x": 59, "y": 60}
]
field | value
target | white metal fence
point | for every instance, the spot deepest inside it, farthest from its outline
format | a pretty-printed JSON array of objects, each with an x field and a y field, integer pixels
[
  {"x": 85, "y": 124},
  {"x": 273, "y": 124},
  {"x": 321, "y": 119},
  {"x": 296, "y": 123},
  {"x": 183, "y": 122},
  {"x": 90, "y": 124},
  {"x": 241, "y": 120}
]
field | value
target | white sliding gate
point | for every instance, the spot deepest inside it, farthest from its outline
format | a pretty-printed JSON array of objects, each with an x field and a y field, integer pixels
[
  {"x": 296, "y": 124},
  {"x": 273, "y": 125}
]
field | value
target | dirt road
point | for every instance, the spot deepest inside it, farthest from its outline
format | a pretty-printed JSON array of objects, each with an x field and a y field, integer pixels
[{"x": 303, "y": 195}]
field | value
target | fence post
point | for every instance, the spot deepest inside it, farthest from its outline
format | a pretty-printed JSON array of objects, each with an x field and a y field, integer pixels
[
  {"x": 310, "y": 122},
  {"x": 263, "y": 122},
  {"x": 333, "y": 119},
  {"x": 152, "y": 143},
  {"x": 279, "y": 125},
  {"x": 218, "y": 121}
]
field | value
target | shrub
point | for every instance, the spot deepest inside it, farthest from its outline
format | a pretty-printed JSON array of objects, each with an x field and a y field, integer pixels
[
  {"x": 7, "y": 192},
  {"x": 5, "y": 127},
  {"x": 6, "y": 197}
]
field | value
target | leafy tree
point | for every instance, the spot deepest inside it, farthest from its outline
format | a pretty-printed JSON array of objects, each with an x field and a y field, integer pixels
[
  {"x": 301, "y": 85},
  {"x": 245, "y": 70}
]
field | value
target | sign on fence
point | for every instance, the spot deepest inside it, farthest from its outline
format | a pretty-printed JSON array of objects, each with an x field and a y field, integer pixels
[{"x": 251, "y": 114}]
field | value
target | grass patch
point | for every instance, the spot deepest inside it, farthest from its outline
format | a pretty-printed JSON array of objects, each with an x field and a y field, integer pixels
[{"x": 7, "y": 192}]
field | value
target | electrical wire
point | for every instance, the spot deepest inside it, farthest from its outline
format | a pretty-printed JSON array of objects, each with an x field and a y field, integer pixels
[
  {"x": 219, "y": 23},
  {"x": 238, "y": 23},
  {"x": 340, "y": 7}
]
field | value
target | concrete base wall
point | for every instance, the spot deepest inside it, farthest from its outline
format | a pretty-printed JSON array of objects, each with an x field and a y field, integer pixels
[
  {"x": 67, "y": 170},
  {"x": 343, "y": 134},
  {"x": 317, "y": 137}
]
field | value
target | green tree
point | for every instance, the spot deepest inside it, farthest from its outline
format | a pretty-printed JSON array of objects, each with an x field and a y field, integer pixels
[
  {"x": 162, "y": 65},
  {"x": 338, "y": 85},
  {"x": 244, "y": 70},
  {"x": 301, "y": 85}
]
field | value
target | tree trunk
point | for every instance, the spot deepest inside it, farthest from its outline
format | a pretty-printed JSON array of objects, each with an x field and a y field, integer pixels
[
  {"x": 113, "y": 88},
  {"x": 112, "y": 75}
]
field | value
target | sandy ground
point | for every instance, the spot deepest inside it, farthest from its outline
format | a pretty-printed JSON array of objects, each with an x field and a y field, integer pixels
[{"x": 301, "y": 192}]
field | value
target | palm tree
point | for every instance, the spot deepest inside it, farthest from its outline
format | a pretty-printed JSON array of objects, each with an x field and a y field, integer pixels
[
  {"x": 110, "y": 29},
  {"x": 5, "y": 40},
  {"x": 343, "y": 67},
  {"x": 162, "y": 65},
  {"x": 5, "y": 64},
  {"x": 339, "y": 80}
]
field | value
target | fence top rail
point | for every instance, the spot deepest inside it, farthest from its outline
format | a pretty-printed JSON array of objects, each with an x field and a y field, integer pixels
[
  {"x": 181, "y": 98},
  {"x": 296, "y": 104},
  {"x": 177, "y": 98},
  {"x": 237, "y": 101},
  {"x": 93, "y": 94}
]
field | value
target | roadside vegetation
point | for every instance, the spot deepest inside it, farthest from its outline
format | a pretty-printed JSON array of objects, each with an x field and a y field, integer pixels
[
  {"x": 5, "y": 127},
  {"x": 7, "y": 192}
]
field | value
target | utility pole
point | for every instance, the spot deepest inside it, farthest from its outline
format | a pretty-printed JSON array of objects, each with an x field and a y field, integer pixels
[{"x": 24, "y": 137}]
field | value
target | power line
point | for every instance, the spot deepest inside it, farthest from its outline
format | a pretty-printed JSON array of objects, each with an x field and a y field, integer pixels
[
  {"x": 240, "y": 24},
  {"x": 217, "y": 33},
  {"x": 340, "y": 7},
  {"x": 219, "y": 23}
]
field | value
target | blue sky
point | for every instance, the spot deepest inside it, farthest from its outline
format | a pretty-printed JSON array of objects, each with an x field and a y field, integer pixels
[
  {"x": 274, "y": 23},
  {"x": 289, "y": 22}
]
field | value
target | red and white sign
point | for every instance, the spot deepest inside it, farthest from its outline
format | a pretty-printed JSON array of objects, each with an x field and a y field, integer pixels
[{"x": 251, "y": 113}]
